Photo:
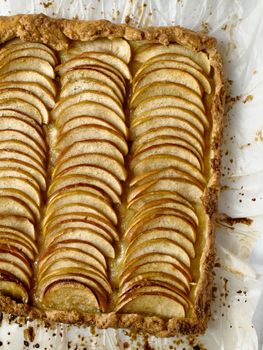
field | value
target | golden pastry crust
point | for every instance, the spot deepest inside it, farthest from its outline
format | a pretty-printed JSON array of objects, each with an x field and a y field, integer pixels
[{"x": 57, "y": 34}]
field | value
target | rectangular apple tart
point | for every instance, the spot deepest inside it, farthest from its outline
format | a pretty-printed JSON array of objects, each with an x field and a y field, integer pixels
[{"x": 109, "y": 173}]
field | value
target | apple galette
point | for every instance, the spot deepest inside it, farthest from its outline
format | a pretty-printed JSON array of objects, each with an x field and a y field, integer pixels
[{"x": 109, "y": 167}]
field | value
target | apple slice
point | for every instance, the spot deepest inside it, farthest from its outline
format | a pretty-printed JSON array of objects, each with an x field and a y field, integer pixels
[
  {"x": 171, "y": 116},
  {"x": 11, "y": 254},
  {"x": 6, "y": 230},
  {"x": 87, "y": 132},
  {"x": 11, "y": 134},
  {"x": 12, "y": 287},
  {"x": 169, "y": 149},
  {"x": 87, "y": 95},
  {"x": 87, "y": 198},
  {"x": 152, "y": 303},
  {"x": 172, "y": 75},
  {"x": 113, "y": 61},
  {"x": 71, "y": 295},
  {"x": 93, "y": 109},
  {"x": 163, "y": 278},
  {"x": 115, "y": 46},
  {"x": 46, "y": 284},
  {"x": 29, "y": 63},
  {"x": 14, "y": 123},
  {"x": 168, "y": 221},
  {"x": 186, "y": 188},
  {"x": 152, "y": 203},
  {"x": 96, "y": 172},
  {"x": 77, "y": 255},
  {"x": 162, "y": 245},
  {"x": 164, "y": 88},
  {"x": 90, "y": 84},
  {"x": 87, "y": 235},
  {"x": 14, "y": 269},
  {"x": 24, "y": 168},
  {"x": 8, "y": 237},
  {"x": 29, "y": 76},
  {"x": 198, "y": 57},
  {"x": 156, "y": 141},
  {"x": 171, "y": 268},
  {"x": 10, "y": 55},
  {"x": 92, "y": 146},
  {"x": 19, "y": 223},
  {"x": 87, "y": 223},
  {"x": 22, "y": 94},
  {"x": 174, "y": 57},
  {"x": 175, "y": 132},
  {"x": 158, "y": 233},
  {"x": 10, "y": 205},
  {"x": 27, "y": 118},
  {"x": 68, "y": 180},
  {"x": 96, "y": 159},
  {"x": 38, "y": 90},
  {"x": 8, "y": 49},
  {"x": 168, "y": 101},
  {"x": 86, "y": 247},
  {"x": 84, "y": 120},
  {"x": 21, "y": 106},
  {"x": 93, "y": 72},
  {"x": 171, "y": 64}
]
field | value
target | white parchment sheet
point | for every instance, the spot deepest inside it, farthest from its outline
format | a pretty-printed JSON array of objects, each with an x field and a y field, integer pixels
[{"x": 237, "y": 316}]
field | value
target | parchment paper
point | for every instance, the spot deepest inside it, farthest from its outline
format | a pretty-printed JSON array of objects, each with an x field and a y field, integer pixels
[{"x": 237, "y": 313}]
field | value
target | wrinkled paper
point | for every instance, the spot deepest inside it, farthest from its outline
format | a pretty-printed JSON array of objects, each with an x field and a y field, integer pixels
[{"x": 237, "y": 311}]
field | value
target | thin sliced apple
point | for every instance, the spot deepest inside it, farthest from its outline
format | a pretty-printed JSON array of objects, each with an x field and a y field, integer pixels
[
  {"x": 10, "y": 205},
  {"x": 96, "y": 159},
  {"x": 86, "y": 235},
  {"x": 170, "y": 131},
  {"x": 93, "y": 72},
  {"x": 14, "y": 269},
  {"x": 19, "y": 223},
  {"x": 91, "y": 84},
  {"x": 12, "y": 287},
  {"x": 93, "y": 109},
  {"x": 162, "y": 245},
  {"x": 86, "y": 198},
  {"x": 164, "y": 88},
  {"x": 72, "y": 253},
  {"x": 198, "y": 57},
  {"x": 135, "y": 270},
  {"x": 152, "y": 303},
  {"x": 174, "y": 57},
  {"x": 71, "y": 295},
  {"x": 7, "y": 237},
  {"x": 84, "y": 120},
  {"x": 27, "y": 118},
  {"x": 22, "y": 94},
  {"x": 158, "y": 162},
  {"x": 69, "y": 180},
  {"x": 38, "y": 90},
  {"x": 5, "y": 51},
  {"x": 88, "y": 132},
  {"x": 14, "y": 255},
  {"x": 21, "y": 106},
  {"x": 169, "y": 149},
  {"x": 170, "y": 64},
  {"x": 168, "y": 221},
  {"x": 78, "y": 244},
  {"x": 29, "y": 63},
  {"x": 92, "y": 146},
  {"x": 10, "y": 55},
  {"x": 97, "y": 172},
  {"x": 87, "y": 95},
  {"x": 158, "y": 233},
  {"x": 24, "y": 168},
  {"x": 172, "y": 75},
  {"x": 29, "y": 76}
]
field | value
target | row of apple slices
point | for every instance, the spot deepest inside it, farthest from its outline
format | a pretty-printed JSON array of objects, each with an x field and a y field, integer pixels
[
  {"x": 79, "y": 227},
  {"x": 168, "y": 127},
  {"x": 27, "y": 92}
]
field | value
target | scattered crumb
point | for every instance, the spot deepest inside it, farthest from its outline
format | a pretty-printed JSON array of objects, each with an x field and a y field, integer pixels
[{"x": 249, "y": 98}]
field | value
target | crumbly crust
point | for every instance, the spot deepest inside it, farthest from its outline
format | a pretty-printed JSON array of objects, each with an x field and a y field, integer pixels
[{"x": 57, "y": 34}]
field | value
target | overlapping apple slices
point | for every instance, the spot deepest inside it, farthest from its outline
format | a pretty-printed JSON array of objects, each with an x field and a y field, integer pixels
[
  {"x": 167, "y": 162},
  {"x": 79, "y": 226},
  {"x": 27, "y": 93}
]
